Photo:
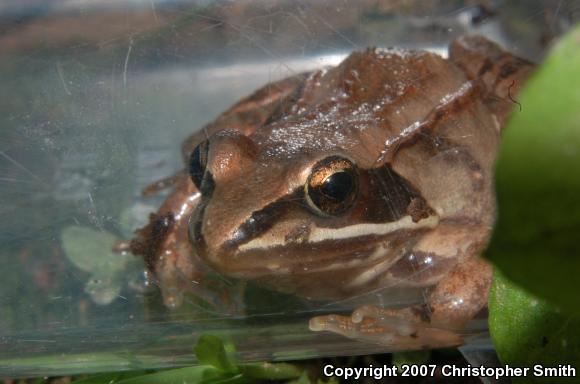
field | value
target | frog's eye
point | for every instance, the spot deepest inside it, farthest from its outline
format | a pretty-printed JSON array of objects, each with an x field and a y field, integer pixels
[
  {"x": 332, "y": 186},
  {"x": 198, "y": 163}
]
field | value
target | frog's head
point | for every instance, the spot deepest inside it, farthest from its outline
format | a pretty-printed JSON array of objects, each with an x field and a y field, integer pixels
[{"x": 295, "y": 218}]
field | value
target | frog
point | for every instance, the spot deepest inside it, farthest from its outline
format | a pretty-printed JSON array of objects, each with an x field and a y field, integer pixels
[{"x": 374, "y": 174}]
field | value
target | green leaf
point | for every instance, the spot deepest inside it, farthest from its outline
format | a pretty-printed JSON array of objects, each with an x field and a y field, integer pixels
[
  {"x": 527, "y": 330},
  {"x": 211, "y": 350},
  {"x": 410, "y": 357},
  {"x": 232, "y": 379},
  {"x": 91, "y": 250},
  {"x": 104, "y": 287},
  {"x": 535, "y": 242},
  {"x": 271, "y": 371},
  {"x": 303, "y": 379},
  {"x": 109, "y": 378},
  {"x": 332, "y": 380},
  {"x": 188, "y": 375}
]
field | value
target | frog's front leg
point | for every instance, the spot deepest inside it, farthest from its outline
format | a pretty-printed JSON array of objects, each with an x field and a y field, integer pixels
[
  {"x": 165, "y": 246},
  {"x": 454, "y": 301}
]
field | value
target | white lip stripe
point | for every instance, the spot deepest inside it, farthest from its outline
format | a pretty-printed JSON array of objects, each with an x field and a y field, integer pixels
[
  {"x": 352, "y": 231},
  {"x": 358, "y": 230}
]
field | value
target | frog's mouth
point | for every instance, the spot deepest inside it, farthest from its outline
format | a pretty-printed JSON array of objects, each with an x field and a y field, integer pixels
[
  {"x": 324, "y": 250},
  {"x": 329, "y": 269}
]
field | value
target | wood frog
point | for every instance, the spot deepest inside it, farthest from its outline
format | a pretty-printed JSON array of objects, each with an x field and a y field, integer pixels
[{"x": 372, "y": 174}]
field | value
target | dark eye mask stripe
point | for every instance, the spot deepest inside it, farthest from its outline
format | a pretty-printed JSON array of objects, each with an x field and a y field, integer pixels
[{"x": 262, "y": 220}]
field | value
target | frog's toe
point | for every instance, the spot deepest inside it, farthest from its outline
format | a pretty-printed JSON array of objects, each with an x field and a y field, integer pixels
[
  {"x": 332, "y": 323},
  {"x": 375, "y": 325},
  {"x": 395, "y": 320},
  {"x": 367, "y": 311},
  {"x": 172, "y": 297},
  {"x": 367, "y": 330}
]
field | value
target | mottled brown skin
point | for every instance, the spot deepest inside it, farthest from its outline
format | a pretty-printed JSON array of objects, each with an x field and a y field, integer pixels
[{"x": 422, "y": 133}]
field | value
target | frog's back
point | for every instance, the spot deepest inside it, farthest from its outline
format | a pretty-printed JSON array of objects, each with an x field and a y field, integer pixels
[{"x": 436, "y": 122}]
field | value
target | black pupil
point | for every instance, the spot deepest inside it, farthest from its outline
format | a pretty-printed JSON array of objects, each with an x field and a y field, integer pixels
[{"x": 338, "y": 186}]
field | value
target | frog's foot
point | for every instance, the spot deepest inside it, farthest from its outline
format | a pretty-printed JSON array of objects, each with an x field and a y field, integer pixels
[
  {"x": 398, "y": 329},
  {"x": 454, "y": 301}
]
